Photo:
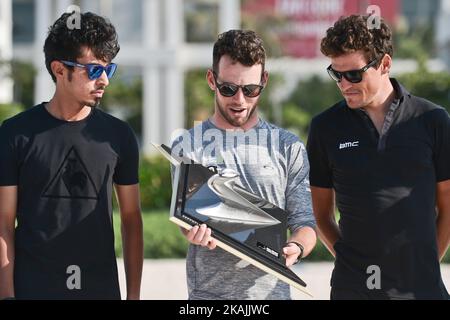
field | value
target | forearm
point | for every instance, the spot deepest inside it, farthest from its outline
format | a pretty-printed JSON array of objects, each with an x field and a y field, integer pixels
[
  {"x": 6, "y": 264},
  {"x": 329, "y": 233},
  {"x": 443, "y": 234},
  {"x": 307, "y": 237},
  {"x": 132, "y": 241},
  {"x": 324, "y": 210}
]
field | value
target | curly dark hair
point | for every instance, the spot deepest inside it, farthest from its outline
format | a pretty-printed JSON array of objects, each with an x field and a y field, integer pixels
[
  {"x": 95, "y": 33},
  {"x": 351, "y": 34},
  {"x": 243, "y": 46}
]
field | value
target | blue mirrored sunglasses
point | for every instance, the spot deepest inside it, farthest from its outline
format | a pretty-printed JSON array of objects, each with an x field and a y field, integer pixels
[{"x": 94, "y": 70}]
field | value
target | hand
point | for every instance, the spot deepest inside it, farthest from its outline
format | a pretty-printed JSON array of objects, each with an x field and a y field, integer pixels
[
  {"x": 201, "y": 236},
  {"x": 291, "y": 252}
]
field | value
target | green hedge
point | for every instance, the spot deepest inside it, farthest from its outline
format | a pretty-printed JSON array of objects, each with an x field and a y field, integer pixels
[
  {"x": 163, "y": 239},
  {"x": 431, "y": 86},
  {"x": 155, "y": 182},
  {"x": 9, "y": 110}
]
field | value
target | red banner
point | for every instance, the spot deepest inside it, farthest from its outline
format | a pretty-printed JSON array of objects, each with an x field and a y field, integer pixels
[{"x": 301, "y": 24}]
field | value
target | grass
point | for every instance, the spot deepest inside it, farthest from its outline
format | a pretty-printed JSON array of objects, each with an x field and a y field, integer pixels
[{"x": 163, "y": 239}]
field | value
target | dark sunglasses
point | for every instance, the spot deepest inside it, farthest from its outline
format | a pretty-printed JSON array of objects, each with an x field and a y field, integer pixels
[
  {"x": 230, "y": 89},
  {"x": 353, "y": 76},
  {"x": 94, "y": 70}
]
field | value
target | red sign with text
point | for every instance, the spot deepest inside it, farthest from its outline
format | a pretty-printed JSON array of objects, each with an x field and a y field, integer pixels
[{"x": 304, "y": 22}]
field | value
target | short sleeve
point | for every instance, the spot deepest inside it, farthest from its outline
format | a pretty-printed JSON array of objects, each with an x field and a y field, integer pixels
[
  {"x": 320, "y": 174},
  {"x": 441, "y": 150},
  {"x": 9, "y": 175},
  {"x": 127, "y": 168}
]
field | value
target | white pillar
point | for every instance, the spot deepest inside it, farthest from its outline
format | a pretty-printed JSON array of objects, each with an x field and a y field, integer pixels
[
  {"x": 151, "y": 113},
  {"x": 44, "y": 87},
  {"x": 174, "y": 79},
  {"x": 90, "y": 6},
  {"x": 106, "y": 8},
  {"x": 229, "y": 15},
  {"x": 174, "y": 100},
  {"x": 6, "y": 83},
  {"x": 151, "y": 80},
  {"x": 174, "y": 22},
  {"x": 61, "y": 7},
  {"x": 443, "y": 32}
]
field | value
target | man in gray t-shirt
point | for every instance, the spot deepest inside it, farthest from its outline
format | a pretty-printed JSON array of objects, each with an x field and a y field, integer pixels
[{"x": 271, "y": 163}]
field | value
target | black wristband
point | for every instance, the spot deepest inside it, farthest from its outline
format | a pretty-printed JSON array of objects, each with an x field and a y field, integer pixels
[{"x": 298, "y": 244}]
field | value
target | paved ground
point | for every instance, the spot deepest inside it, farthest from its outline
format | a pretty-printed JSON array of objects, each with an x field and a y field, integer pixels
[{"x": 166, "y": 279}]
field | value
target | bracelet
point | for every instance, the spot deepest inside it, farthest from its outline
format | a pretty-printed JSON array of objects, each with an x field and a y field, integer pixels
[{"x": 298, "y": 244}]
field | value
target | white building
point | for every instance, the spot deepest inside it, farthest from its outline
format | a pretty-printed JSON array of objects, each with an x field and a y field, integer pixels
[
  {"x": 153, "y": 35},
  {"x": 443, "y": 32},
  {"x": 6, "y": 51},
  {"x": 152, "y": 39}
]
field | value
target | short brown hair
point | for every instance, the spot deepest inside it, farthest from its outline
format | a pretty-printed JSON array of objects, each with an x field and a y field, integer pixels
[
  {"x": 243, "y": 46},
  {"x": 351, "y": 34}
]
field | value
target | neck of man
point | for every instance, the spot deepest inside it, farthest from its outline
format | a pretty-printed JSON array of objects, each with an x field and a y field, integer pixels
[
  {"x": 381, "y": 102},
  {"x": 62, "y": 108},
  {"x": 379, "y": 107},
  {"x": 222, "y": 123}
]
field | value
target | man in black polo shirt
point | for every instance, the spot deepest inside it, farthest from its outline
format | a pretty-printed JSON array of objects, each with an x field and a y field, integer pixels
[{"x": 383, "y": 156}]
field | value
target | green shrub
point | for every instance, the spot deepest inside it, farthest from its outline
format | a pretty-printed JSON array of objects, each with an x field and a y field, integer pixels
[
  {"x": 311, "y": 96},
  {"x": 9, "y": 110},
  {"x": 431, "y": 86},
  {"x": 23, "y": 75},
  {"x": 446, "y": 257},
  {"x": 320, "y": 253},
  {"x": 162, "y": 238},
  {"x": 155, "y": 183}
]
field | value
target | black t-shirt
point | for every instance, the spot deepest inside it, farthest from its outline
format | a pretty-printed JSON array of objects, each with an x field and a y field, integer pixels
[
  {"x": 385, "y": 189},
  {"x": 64, "y": 240}
]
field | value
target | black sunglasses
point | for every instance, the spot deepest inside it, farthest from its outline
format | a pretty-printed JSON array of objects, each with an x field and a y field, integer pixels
[
  {"x": 94, "y": 70},
  {"x": 230, "y": 89},
  {"x": 353, "y": 76}
]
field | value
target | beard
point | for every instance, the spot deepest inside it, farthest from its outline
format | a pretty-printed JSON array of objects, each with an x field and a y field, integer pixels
[
  {"x": 92, "y": 104},
  {"x": 95, "y": 103},
  {"x": 236, "y": 121}
]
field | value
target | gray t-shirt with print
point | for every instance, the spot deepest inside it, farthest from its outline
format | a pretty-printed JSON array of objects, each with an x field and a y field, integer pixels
[{"x": 272, "y": 163}]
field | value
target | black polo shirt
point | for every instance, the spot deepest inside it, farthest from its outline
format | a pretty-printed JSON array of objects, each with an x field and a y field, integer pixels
[
  {"x": 64, "y": 172},
  {"x": 385, "y": 187}
]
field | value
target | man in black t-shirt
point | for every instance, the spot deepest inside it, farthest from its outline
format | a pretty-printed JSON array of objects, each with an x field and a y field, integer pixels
[
  {"x": 382, "y": 156},
  {"x": 58, "y": 165}
]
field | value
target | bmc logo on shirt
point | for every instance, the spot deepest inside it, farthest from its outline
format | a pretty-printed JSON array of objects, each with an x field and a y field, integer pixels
[{"x": 348, "y": 145}]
